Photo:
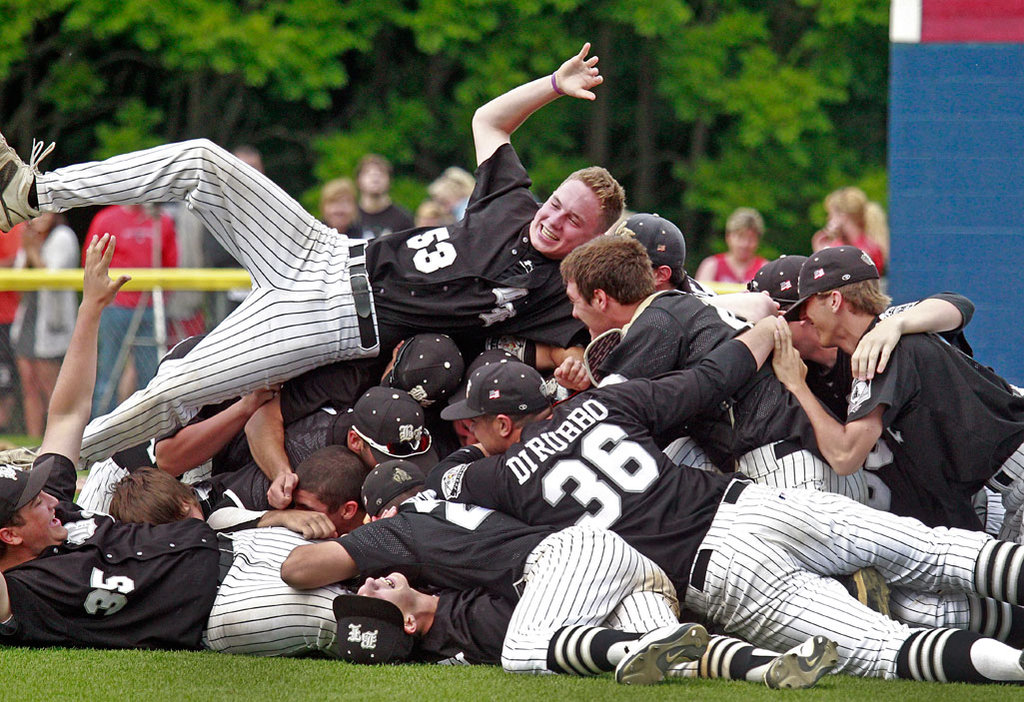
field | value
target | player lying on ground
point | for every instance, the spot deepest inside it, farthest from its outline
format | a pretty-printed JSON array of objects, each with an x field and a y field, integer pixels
[
  {"x": 755, "y": 561},
  {"x": 574, "y": 597},
  {"x": 319, "y": 297}
]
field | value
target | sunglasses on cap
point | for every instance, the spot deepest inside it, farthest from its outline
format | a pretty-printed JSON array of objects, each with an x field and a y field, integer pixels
[{"x": 399, "y": 449}]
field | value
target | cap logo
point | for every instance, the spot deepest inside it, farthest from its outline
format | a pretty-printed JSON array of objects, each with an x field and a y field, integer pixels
[
  {"x": 624, "y": 230},
  {"x": 420, "y": 395},
  {"x": 785, "y": 285},
  {"x": 400, "y": 476},
  {"x": 366, "y": 639},
  {"x": 494, "y": 394},
  {"x": 819, "y": 273},
  {"x": 408, "y": 433},
  {"x": 867, "y": 259},
  {"x": 9, "y": 472}
]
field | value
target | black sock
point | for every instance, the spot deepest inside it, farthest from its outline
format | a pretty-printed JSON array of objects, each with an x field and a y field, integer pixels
[
  {"x": 998, "y": 620},
  {"x": 939, "y": 654},
  {"x": 732, "y": 659},
  {"x": 999, "y": 572},
  {"x": 583, "y": 650}
]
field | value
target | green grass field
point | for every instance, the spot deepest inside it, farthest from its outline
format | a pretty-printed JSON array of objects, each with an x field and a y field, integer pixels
[{"x": 64, "y": 674}]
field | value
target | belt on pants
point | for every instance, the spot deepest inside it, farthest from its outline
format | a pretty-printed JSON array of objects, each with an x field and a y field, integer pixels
[
  {"x": 785, "y": 448},
  {"x": 227, "y": 556},
  {"x": 360, "y": 282},
  {"x": 700, "y": 563}
]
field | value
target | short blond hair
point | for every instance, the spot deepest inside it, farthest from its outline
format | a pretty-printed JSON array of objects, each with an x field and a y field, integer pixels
[
  {"x": 743, "y": 218},
  {"x": 865, "y": 297},
  {"x": 610, "y": 195},
  {"x": 337, "y": 189}
]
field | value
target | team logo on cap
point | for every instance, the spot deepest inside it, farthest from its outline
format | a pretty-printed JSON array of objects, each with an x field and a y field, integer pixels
[
  {"x": 494, "y": 394},
  {"x": 624, "y": 230},
  {"x": 785, "y": 285},
  {"x": 407, "y": 433},
  {"x": 420, "y": 395},
  {"x": 366, "y": 639},
  {"x": 867, "y": 259},
  {"x": 819, "y": 273},
  {"x": 9, "y": 472},
  {"x": 400, "y": 475}
]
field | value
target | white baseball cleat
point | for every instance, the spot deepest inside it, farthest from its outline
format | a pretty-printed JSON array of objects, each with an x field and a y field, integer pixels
[
  {"x": 16, "y": 178},
  {"x": 658, "y": 650},
  {"x": 803, "y": 666}
]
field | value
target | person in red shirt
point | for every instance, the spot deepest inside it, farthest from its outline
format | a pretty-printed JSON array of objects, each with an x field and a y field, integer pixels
[
  {"x": 143, "y": 241},
  {"x": 853, "y": 220},
  {"x": 743, "y": 231}
]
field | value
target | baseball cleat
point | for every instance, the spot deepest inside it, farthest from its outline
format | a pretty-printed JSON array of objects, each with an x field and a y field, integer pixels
[
  {"x": 872, "y": 590},
  {"x": 802, "y": 666},
  {"x": 16, "y": 179},
  {"x": 658, "y": 650}
]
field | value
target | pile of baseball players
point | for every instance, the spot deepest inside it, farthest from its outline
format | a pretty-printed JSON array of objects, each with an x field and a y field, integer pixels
[{"x": 669, "y": 503}]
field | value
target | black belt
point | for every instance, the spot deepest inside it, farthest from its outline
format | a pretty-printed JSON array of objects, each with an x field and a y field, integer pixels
[
  {"x": 785, "y": 448},
  {"x": 360, "y": 282},
  {"x": 700, "y": 563},
  {"x": 227, "y": 556}
]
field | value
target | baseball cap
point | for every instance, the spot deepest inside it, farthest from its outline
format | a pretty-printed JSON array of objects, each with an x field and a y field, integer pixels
[
  {"x": 664, "y": 242},
  {"x": 19, "y": 486},
  {"x": 830, "y": 269},
  {"x": 391, "y": 423},
  {"x": 370, "y": 630},
  {"x": 780, "y": 279},
  {"x": 505, "y": 387},
  {"x": 387, "y": 481},
  {"x": 428, "y": 366}
]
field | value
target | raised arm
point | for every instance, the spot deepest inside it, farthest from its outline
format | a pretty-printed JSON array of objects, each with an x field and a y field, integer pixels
[
  {"x": 265, "y": 431},
  {"x": 874, "y": 349},
  {"x": 317, "y": 565},
  {"x": 71, "y": 401},
  {"x": 494, "y": 122},
  {"x": 844, "y": 446}
]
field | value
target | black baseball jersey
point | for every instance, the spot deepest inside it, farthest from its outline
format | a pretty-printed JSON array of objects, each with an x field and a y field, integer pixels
[
  {"x": 597, "y": 462},
  {"x": 675, "y": 332},
  {"x": 469, "y": 627},
  {"x": 336, "y": 385},
  {"x": 113, "y": 585},
  {"x": 950, "y": 423},
  {"x": 446, "y": 544},
  {"x": 479, "y": 273}
]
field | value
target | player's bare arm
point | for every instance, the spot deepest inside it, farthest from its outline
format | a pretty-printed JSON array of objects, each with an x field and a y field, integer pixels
[
  {"x": 494, "y": 122},
  {"x": 312, "y": 525},
  {"x": 265, "y": 433},
  {"x": 317, "y": 565},
  {"x": 874, "y": 349},
  {"x": 71, "y": 402},
  {"x": 844, "y": 446},
  {"x": 760, "y": 339},
  {"x": 197, "y": 443}
]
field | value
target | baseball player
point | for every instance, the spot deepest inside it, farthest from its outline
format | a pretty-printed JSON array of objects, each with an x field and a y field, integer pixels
[
  {"x": 578, "y": 592},
  {"x": 754, "y": 560},
  {"x": 319, "y": 297},
  {"x": 954, "y": 424}
]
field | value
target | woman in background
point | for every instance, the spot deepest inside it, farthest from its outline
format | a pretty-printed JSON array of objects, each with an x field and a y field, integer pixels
[{"x": 855, "y": 221}]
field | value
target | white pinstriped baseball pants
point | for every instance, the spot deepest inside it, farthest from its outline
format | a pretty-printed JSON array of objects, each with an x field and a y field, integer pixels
[
  {"x": 799, "y": 469},
  {"x": 299, "y": 315},
  {"x": 771, "y": 554},
  {"x": 581, "y": 576},
  {"x": 256, "y": 613}
]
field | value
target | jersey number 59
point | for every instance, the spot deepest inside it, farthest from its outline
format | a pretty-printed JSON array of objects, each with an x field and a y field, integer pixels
[{"x": 607, "y": 453}]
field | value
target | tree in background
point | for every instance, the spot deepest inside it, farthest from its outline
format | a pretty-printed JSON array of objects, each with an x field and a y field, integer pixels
[{"x": 706, "y": 106}]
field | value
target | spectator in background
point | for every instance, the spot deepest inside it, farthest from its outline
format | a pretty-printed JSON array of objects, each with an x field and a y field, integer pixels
[
  {"x": 42, "y": 328},
  {"x": 143, "y": 241},
  {"x": 377, "y": 214},
  {"x": 743, "y": 232},
  {"x": 338, "y": 207},
  {"x": 452, "y": 190},
  {"x": 855, "y": 221},
  {"x": 10, "y": 243},
  {"x": 432, "y": 213}
]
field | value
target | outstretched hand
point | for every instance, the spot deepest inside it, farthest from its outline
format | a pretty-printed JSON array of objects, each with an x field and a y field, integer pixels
[
  {"x": 97, "y": 286},
  {"x": 579, "y": 74}
]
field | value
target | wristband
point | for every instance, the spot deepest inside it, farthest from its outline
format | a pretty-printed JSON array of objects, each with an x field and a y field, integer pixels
[{"x": 554, "y": 84}]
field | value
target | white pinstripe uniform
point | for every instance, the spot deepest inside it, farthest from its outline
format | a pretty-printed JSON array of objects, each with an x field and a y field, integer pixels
[
  {"x": 766, "y": 552},
  {"x": 300, "y": 314},
  {"x": 581, "y": 576},
  {"x": 800, "y": 469},
  {"x": 256, "y": 613}
]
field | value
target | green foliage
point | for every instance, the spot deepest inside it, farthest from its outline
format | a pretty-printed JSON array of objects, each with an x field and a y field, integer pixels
[{"x": 706, "y": 105}]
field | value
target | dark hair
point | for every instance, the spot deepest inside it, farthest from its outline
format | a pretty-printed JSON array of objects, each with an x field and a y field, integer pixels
[
  {"x": 15, "y": 520},
  {"x": 151, "y": 496},
  {"x": 618, "y": 265},
  {"x": 334, "y": 474},
  {"x": 373, "y": 160}
]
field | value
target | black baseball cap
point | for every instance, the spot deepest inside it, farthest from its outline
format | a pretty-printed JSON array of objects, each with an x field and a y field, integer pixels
[
  {"x": 387, "y": 481},
  {"x": 428, "y": 366},
  {"x": 19, "y": 486},
  {"x": 370, "y": 631},
  {"x": 508, "y": 387},
  {"x": 663, "y": 240},
  {"x": 780, "y": 279},
  {"x": 829, "y": 269},
  {"x": 391, "y": 423}
]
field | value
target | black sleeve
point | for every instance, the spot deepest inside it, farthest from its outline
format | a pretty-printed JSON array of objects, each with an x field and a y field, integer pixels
[
  {"x": 500, "y": 174},
  {"x": 63, "y": 478},
  {"x": 466, "y": 454},
  {"x": 651, "y": 347},
  {"x": 469, "y": 626},
  {"x": 336, "y": 385},
  {"x": 891, "y": 388},
  {"x": 666, "y": 403}
]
